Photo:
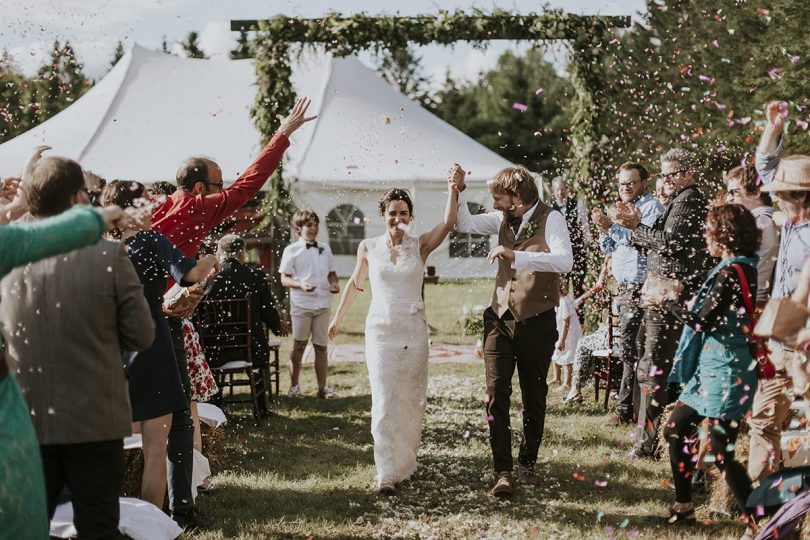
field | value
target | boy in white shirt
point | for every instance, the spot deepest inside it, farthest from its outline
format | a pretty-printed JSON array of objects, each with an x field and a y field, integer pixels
[{"x": 308, "y": 269}]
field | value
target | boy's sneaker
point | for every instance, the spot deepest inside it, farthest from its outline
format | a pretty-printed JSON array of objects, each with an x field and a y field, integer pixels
[
  {"x": 295, "y": 392},
  {"x": 326, "y": 393}
]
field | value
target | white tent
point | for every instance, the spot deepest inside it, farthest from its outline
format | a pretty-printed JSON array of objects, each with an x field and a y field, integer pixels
[{"x": 154, "y": 109}]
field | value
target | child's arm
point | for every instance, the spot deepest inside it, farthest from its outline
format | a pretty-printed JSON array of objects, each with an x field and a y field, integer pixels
[
  {"x": 564, "y": 334},
  {"x": 334, "y": 286},
  {"x": 287, "y": 280},
  {"x": 353, "y": 287}
]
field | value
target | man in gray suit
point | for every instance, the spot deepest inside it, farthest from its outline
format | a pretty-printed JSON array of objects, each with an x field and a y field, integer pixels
[{"x": 65, "y": 321}]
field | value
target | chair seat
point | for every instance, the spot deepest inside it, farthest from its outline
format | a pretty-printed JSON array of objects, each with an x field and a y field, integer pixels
[
  {"x": 272, "y": 342},
  {"x": 238, "y": 365}
]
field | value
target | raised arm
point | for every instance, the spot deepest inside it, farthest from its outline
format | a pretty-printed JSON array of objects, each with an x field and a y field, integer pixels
[
  {"x": 353, "y": 287},
  {"x": 431, "y": 240},
  {"x": 221, "y": 205},
  {"x": 489, "y": 223},
  {"x": 770, "y": 143}
]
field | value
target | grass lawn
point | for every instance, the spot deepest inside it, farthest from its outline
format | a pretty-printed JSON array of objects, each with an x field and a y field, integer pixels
[{"x": 309, "y": 472}]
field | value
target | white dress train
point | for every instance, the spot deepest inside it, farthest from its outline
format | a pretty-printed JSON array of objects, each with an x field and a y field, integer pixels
[{"x": 396, "y": 355}]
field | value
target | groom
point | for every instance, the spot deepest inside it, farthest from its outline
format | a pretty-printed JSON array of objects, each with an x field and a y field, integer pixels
[{"x": 519, "y": 326}]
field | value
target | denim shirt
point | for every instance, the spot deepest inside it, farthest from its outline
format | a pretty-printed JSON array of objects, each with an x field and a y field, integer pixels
[
  {"x": 794, "y": 244},
  {"x": 626, "y": 264}
]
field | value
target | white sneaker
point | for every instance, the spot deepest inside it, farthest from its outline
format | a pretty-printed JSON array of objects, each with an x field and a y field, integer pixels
[
  {"x": 295, "y": 392},
  {"x": 326, "y": 393}
]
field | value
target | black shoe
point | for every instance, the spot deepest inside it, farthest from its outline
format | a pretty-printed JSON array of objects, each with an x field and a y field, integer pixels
[
  {"x": 191, "y": 519},
  {"x": 671, "y": 517}
]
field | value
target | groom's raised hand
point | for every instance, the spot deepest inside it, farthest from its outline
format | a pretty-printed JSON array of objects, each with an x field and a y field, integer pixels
[
  {"x": 455, "y": 177},
  {"x": 501, "y": 252}
]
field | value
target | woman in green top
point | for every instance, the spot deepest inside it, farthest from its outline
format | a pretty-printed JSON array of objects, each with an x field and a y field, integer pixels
[{"x": 22, "y": 486}]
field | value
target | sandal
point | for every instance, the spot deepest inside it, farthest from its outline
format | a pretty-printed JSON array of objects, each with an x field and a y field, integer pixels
[
  {"x": 673, "y": 517},
  {"x": 576, "y": 398}
]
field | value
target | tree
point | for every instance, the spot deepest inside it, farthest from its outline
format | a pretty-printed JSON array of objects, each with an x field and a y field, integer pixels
[
  {"x": 403, "y": 69},
  {"x": 244, "y": 48},
  {"x": 59, "y": 82},
  {"x": 15, "y": 99},
  {"x": 515, "y": 110},
  {"x": 118, "y": 53},
  {"x": 192, "y": 47}
]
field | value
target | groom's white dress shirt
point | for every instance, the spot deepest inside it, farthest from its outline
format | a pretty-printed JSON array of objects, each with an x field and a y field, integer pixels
[{"x": 559, "y": 259}]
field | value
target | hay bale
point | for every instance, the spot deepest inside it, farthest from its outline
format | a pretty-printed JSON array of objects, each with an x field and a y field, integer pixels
[
  {"x": 133, "y": 471},
  {"x": 214, "y": 448},
  {"x": 663, "y": 444},
  {"x": 720, "y": 499}
]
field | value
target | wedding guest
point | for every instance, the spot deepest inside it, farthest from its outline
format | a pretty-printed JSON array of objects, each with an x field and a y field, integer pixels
[
  {"x": 629, "y": 268},
  {"x": 742, "y": 188},
  {"x": 200, "y": 203},
  {"x": 235, "y": 280},
  {"x": 663, "y": 192},
  {"x": 788, "y": 179},
  {"x": 570, "y": 332},
  {"x": 155, "y": 387},
  {"x": 675, "y": 247},
  {"x": 22, "y": 489},
  {"x": 90, "y": 305},
  {"x": 579, "y": 229},
  {"x": 714, "y": 361},
  {"x": 308, "y": 269}
]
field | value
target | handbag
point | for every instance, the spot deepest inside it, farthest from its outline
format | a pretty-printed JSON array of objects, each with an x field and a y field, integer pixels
[
  {"x": 781, "y": 320},
  {"x": 759, "y": 348}
]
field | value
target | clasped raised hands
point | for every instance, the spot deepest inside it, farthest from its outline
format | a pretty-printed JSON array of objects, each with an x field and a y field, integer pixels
[{"x": 455, "y": 177}]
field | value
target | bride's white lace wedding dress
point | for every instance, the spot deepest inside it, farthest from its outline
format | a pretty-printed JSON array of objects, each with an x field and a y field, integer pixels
[{"x": 396, "y": 355}]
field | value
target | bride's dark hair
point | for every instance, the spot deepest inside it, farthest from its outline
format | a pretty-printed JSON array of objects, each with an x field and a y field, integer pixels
[{"x": 395, "y": 194}]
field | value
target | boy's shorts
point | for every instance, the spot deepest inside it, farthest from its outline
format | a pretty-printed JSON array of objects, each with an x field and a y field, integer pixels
[{"x": 310, "y": 321}]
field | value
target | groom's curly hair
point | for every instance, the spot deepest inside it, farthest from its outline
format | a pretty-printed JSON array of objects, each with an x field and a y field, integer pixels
[{"x": 516, "y": 181}]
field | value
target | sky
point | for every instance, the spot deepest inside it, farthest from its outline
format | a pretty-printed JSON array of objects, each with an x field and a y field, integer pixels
[{"x": 29, "y": 27}]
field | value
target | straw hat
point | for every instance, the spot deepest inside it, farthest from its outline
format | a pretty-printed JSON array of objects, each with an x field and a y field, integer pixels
[{"x": 792, "y": 174}]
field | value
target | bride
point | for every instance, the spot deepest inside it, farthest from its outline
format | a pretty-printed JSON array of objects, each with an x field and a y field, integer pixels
[{"x": 396, "y": 329}]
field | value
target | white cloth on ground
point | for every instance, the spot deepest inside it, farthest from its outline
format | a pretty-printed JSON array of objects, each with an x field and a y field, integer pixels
[{"x": 140, "y": 520}]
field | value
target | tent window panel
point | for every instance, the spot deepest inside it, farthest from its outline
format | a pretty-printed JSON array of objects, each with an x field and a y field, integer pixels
[
  {"x": 347, "y": 228},
  {"x": 464, "y": 245}
]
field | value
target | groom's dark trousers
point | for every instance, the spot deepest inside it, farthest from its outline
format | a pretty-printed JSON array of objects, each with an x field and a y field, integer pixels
[{"x": 527, "y": 345}]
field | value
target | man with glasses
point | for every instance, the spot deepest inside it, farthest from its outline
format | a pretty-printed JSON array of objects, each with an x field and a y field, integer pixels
[
  {"x": 629, "y": 268},
  {"x": 676, "y": 249},
  {"x": 789, "y": 181},
  {"x": 741, "y": 188},
  {"x": 186, "y": 218}
]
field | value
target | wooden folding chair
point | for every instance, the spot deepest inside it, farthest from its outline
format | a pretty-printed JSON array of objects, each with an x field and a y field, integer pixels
[
  {"x": 225, "y": 328},
  {"x": 605, "y": 360}
]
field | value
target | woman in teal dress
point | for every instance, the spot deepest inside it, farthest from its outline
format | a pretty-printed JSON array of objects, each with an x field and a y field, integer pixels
[
  {"x": 714, "y": 361},
  {"x": 23, "y": 513}
]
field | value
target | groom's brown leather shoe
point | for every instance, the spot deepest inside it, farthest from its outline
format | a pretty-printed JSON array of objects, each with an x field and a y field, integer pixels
[
  {"x": 527, "y": 477},
  {"x": 504, "y": 485}
]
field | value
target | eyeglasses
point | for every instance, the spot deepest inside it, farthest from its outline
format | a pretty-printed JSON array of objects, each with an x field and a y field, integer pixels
[
  {"x": 734, "y": 192},
  {"x": 671, "y": 175}
]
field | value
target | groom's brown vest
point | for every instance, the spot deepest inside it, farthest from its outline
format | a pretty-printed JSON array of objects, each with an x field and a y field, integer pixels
[{"x": 524, "y": 292}]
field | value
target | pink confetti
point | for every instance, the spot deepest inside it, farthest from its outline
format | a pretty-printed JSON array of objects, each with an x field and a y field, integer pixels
[
  {"x": 352, "y": 167},
  {"x": 802, "y": 124},
  {"x": 743, "y": 121},
  {"x": 600, "y": 483},
  {"x": 775, "y": 73},
  {"x": 743, "y": 399},
  {"x": 720, "y": 106},
  {"x": 490, "y": 418},
  {"x": 538, "y": 91},
  {"x": 783, "y": 108},
  {"x": 633, "y": 533},
  {"x": 720, "y": 149},
  {"x": 760, "y": 510},
  {"x": 706, "y": 78},
  {"x": 522, "y": 107},
  {"x": 613, "y": 41},
  {"x": 776, "y": 482},
  {"x": 716, "y": 44}
]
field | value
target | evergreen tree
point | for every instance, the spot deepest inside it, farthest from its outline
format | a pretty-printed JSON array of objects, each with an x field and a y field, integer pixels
[
  {"x": 403, "y": 69},
  {"x": 15, "y": 99},
  {"x": 118, "y": 53},
  {"x": 244, "y": 48},
  {"x": 59, "y": 82},
  {"x": 192, "y": 47}
]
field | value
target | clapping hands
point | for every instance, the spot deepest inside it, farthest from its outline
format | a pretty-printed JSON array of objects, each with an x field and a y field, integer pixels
[
  {"x": 627, "y": 215},
  {"x": 602, "y": 221}
]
